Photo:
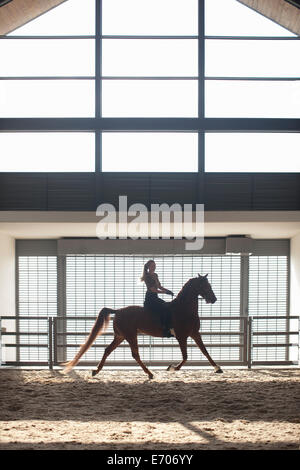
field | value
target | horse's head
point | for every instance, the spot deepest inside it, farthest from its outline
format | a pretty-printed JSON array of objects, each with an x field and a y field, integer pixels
[
  {"x": 195, "y": 287},
  {"x": 203, "y": 288}
]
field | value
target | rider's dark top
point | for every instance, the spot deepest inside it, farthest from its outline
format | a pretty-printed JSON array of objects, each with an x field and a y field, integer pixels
[
  {"x": 153, "y": 302},
  {"x": 151, "y": 280}
]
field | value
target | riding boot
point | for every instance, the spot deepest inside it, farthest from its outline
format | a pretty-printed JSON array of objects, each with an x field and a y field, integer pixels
[
  {"x": 167, "y": 333},
  {"x": 166, "y": 327}
]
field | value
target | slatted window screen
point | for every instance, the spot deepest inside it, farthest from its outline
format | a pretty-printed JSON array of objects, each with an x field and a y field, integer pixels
[
  {"x": 37, "y": 296},
  {"x": 97, "y": 281},
  {"x": 100, "y": 281},
  {"x": 268, "y": 296}
]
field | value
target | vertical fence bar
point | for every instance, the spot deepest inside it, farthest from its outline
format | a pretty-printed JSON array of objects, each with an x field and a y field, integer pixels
[
  {"x": 59, "y": 321},
  {"x": 249, "y": 339},
  {"x": 298, "y": 358},
  {"x": 55, "y": 341},
  {"x": 2, "y": 347},
  {"x": 245, "y": 340},
  {"x": 244, "y": 301},
  {"x": 0, "y": 341},
  {"x": 50, "y": 342}
]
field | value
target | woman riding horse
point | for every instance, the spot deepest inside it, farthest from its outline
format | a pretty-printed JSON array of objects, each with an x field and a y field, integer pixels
[
  {"x": 154, "y": 303},
  {"x": 133, "y": 320}
]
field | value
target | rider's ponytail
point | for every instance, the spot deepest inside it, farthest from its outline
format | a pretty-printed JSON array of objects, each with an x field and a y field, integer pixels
[{"x": 145, "y": 270}]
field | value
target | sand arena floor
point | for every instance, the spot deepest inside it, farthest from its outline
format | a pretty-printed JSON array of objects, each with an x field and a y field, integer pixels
[{"x": 118, "y": 410}]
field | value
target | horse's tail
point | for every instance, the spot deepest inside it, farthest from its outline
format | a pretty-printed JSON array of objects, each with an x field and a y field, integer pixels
[{"x": 99, "y": 327}]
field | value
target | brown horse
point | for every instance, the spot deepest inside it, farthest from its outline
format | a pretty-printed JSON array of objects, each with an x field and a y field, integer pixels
[{"x": 133, "y": 320}]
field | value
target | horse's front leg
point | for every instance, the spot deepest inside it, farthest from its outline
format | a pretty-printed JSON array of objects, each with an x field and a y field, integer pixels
[
  {"x": 198, "y": 340},
  {"x": 183, "y": 346}
]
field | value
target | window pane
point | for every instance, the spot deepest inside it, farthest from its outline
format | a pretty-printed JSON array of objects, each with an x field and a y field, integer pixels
[
  {"x": 265, "y": 58},
  {"x": 149, "y": 152},
  {"x": 150, "y": 57},
  {"x": 252, "y": 99},
  {"x": 47, "y": 98},
  {"x": 67, "y": 19},
  {"x": 252, "y": 152},
  {"x": 150, "y": 17},
  {"x": 61, "y": 151},
  {"x": 150, "y": 98},
  {"x": 232, "y": 18},
  {"x": 46, "y": 57}
]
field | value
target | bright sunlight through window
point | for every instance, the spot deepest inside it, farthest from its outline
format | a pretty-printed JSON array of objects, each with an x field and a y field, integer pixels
[{"x": 156, "y": 76}]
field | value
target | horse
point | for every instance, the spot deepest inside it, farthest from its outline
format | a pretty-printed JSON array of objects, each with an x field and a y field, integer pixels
[{"x": 133, "y": 320}]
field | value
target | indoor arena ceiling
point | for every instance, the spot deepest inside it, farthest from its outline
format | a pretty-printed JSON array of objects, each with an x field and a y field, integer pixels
[
  {"x": 16, "y": 13},
  {"x": 280, "y": 11}
]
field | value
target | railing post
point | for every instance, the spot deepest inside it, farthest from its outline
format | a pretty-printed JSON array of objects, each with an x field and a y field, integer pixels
[
  {"x": 55, "y": 340},
  {"x": 245, "y": 340},
  {"x": 249, "y": 340},
  {"x": 298, "y": 339},
  {"x": 0, "y": 342},
  {"x": 50, "y": 342}
]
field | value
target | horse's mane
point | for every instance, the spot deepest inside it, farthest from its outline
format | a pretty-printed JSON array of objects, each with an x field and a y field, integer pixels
[{"x": 184, "y": 290}]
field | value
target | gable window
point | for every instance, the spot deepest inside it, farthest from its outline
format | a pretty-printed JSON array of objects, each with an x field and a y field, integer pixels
[{"x": 156, "y": 67}]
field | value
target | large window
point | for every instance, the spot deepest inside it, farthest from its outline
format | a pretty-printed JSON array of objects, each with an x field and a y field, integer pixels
[
  {"x": 252, "y": 98},
  {"x": 148, "y": 46},
  {"x": 44, "y": 73},
  {"x": 157, "y": 66},
  {"x": 150, "y": 17},
  {"x": 46, "y": 57},
  {"x": 248, "y": 74},
  {"x": 252, "y": 152},
  {"x": 30, "y": 152},
  {"x": 150, "y": 98},
  {"x": 31, "y": 98},
  {"x": 243, "y": 58},
  {"x": 150, "y": 152},
  {"x": 150, "y": 57}
]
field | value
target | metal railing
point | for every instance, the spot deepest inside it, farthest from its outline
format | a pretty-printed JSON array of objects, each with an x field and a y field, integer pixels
[{"x": 54, "y": 336}]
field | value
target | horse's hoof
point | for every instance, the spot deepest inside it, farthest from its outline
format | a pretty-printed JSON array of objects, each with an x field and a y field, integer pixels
[
  {"x": 94, "y": 372},
  {"x": 219, "y": 371},
  {"x": 171, "y": 368},
  {"x": 151, "y": 376}
]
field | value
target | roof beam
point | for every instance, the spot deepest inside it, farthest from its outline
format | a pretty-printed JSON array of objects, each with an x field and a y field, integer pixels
[{"x": 149, "y": 124}]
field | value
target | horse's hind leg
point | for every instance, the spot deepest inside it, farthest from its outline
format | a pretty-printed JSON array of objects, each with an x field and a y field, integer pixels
[
  {"x": 198, "y": 340},
  {"x": 135, "y": 354},
  {"x": 113, "y": 345}
]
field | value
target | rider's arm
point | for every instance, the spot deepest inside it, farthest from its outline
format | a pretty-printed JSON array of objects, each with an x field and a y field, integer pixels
[
  {"x": 157, "y": 290},
  {"x": 162, "y": 289}
]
